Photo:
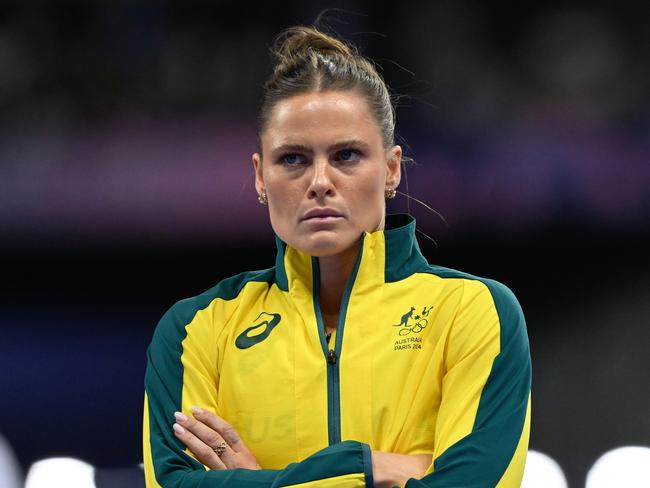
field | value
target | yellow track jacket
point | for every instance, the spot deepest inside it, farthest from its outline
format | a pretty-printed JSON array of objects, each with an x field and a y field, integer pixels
[{"x": 425, "y": 360}]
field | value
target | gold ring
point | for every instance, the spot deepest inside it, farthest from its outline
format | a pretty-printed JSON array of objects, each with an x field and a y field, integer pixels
[{"x": 220, "y": 449}]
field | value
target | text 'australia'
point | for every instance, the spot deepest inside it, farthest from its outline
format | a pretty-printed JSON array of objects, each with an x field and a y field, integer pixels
[{"x": 408, "y": 343}]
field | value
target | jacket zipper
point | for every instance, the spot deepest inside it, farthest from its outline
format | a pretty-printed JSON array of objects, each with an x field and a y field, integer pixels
[{"x": 332, "y": 356}]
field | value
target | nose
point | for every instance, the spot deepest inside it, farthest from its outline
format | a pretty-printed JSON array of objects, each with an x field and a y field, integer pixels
[{"x": 321, "y": 184}]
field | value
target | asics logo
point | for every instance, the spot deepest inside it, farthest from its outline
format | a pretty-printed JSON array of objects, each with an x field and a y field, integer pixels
[{"x": 268, "y": 320}]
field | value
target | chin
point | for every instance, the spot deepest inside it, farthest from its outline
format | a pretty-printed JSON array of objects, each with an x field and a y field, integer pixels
[{"x": 321, "y": 244}]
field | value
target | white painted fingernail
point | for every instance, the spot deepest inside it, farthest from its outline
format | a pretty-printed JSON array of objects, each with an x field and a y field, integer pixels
[
  {"x": 178, "y": 429},
  {"x": 180, "y": 417},
  {"x": 197, "y": 410}
]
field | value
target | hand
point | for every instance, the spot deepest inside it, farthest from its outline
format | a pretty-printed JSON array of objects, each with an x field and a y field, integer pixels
[
  {"x": 389, "y": 469},
  {"x": 213, "y": 441}
]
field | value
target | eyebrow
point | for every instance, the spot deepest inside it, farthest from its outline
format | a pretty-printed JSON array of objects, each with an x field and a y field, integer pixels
[{"x": 334, "y": 147}]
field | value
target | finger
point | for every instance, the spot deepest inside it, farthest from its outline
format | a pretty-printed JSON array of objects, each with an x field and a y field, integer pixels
[
  {"x": 227, "y": 431},
  {"x": 208, "y": 436},
  {"x": 200, "y": 449}
]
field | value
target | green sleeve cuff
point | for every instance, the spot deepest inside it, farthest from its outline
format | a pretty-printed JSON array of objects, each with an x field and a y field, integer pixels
[
  {"x": 367, "y": 465},
  {"x": 340, "y": 459}
]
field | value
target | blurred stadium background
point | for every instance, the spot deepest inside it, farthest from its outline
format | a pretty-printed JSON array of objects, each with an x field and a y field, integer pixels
[{"x": 126, "y": 129}]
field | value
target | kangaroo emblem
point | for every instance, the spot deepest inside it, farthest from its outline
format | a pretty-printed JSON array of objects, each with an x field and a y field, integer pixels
[
  {"x": 417, "y": 322},
  {"x": 405, "y": 318}
]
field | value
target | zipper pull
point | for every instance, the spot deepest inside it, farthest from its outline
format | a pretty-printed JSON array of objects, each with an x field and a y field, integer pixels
[{"x": 331, "y": 358}]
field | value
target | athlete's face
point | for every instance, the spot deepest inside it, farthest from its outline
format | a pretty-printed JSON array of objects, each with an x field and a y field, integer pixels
[{"x": 325, "y": 171}]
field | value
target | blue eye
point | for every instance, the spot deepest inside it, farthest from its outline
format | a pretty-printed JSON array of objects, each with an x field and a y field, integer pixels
[
  {"x": 292, "y": 159},
  {"x": 349, "y": 155}
]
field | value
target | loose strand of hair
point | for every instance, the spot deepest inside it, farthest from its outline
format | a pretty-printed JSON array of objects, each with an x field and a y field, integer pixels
[
  {"x": 364, "y": 33},
  {"x": 427, "y": 236},
  {"x": 324, "y": 22},
  {"x": 398, "y": 65},
  {"x": 406, "y": 182},
  {"x": 323, "y": 16},
  {"x": 409, "y": 197},
  {"x": 406, "y": 160},
  {"x": 408, "y": 206}
]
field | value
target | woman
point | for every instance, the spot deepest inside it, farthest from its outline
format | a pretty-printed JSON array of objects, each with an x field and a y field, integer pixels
[{"x": 352, "y": 362}]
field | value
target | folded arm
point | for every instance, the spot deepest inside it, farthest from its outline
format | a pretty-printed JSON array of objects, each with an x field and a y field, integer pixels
[
  {"x": 483, "y": 422},
  {"x": 177, "y": 360}
]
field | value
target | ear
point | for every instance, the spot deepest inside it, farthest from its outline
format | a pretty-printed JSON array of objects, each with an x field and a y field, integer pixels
[
  {"x": 259, "y": 175},
  {"x": 394, "y": 162}
]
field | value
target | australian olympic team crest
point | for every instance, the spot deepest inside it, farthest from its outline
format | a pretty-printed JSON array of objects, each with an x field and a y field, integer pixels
[{"x": 411, "y": 324}]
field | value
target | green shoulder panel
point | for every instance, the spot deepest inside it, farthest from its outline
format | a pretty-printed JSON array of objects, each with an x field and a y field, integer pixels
[
  {"x": 481, "y": 458},
  {"x": 164, "y": 373},
  {"x": 171, "y": 327}
]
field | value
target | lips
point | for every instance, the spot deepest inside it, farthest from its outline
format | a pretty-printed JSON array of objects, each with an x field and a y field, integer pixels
[{"x": 321, "y": 214}]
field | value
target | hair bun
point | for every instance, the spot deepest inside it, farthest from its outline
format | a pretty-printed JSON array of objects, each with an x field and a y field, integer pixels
[
  {"x": 297, "y": 42},
  {"x": 306, "y": 59}
]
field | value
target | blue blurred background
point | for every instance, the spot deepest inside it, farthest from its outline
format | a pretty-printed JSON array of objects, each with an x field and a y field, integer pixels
[{"x": 126, "y": 130}]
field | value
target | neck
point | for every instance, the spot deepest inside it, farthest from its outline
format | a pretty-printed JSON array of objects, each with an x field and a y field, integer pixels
[{"x": 335, "y": 272}]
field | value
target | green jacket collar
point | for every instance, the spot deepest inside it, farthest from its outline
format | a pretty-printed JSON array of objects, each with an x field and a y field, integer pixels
[{"x": 388, "y": 255}]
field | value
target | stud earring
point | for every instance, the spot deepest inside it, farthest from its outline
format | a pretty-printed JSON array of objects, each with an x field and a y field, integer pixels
[
  {"x": 262, "y": 198},
  {"x": 390, "y": 193}
]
